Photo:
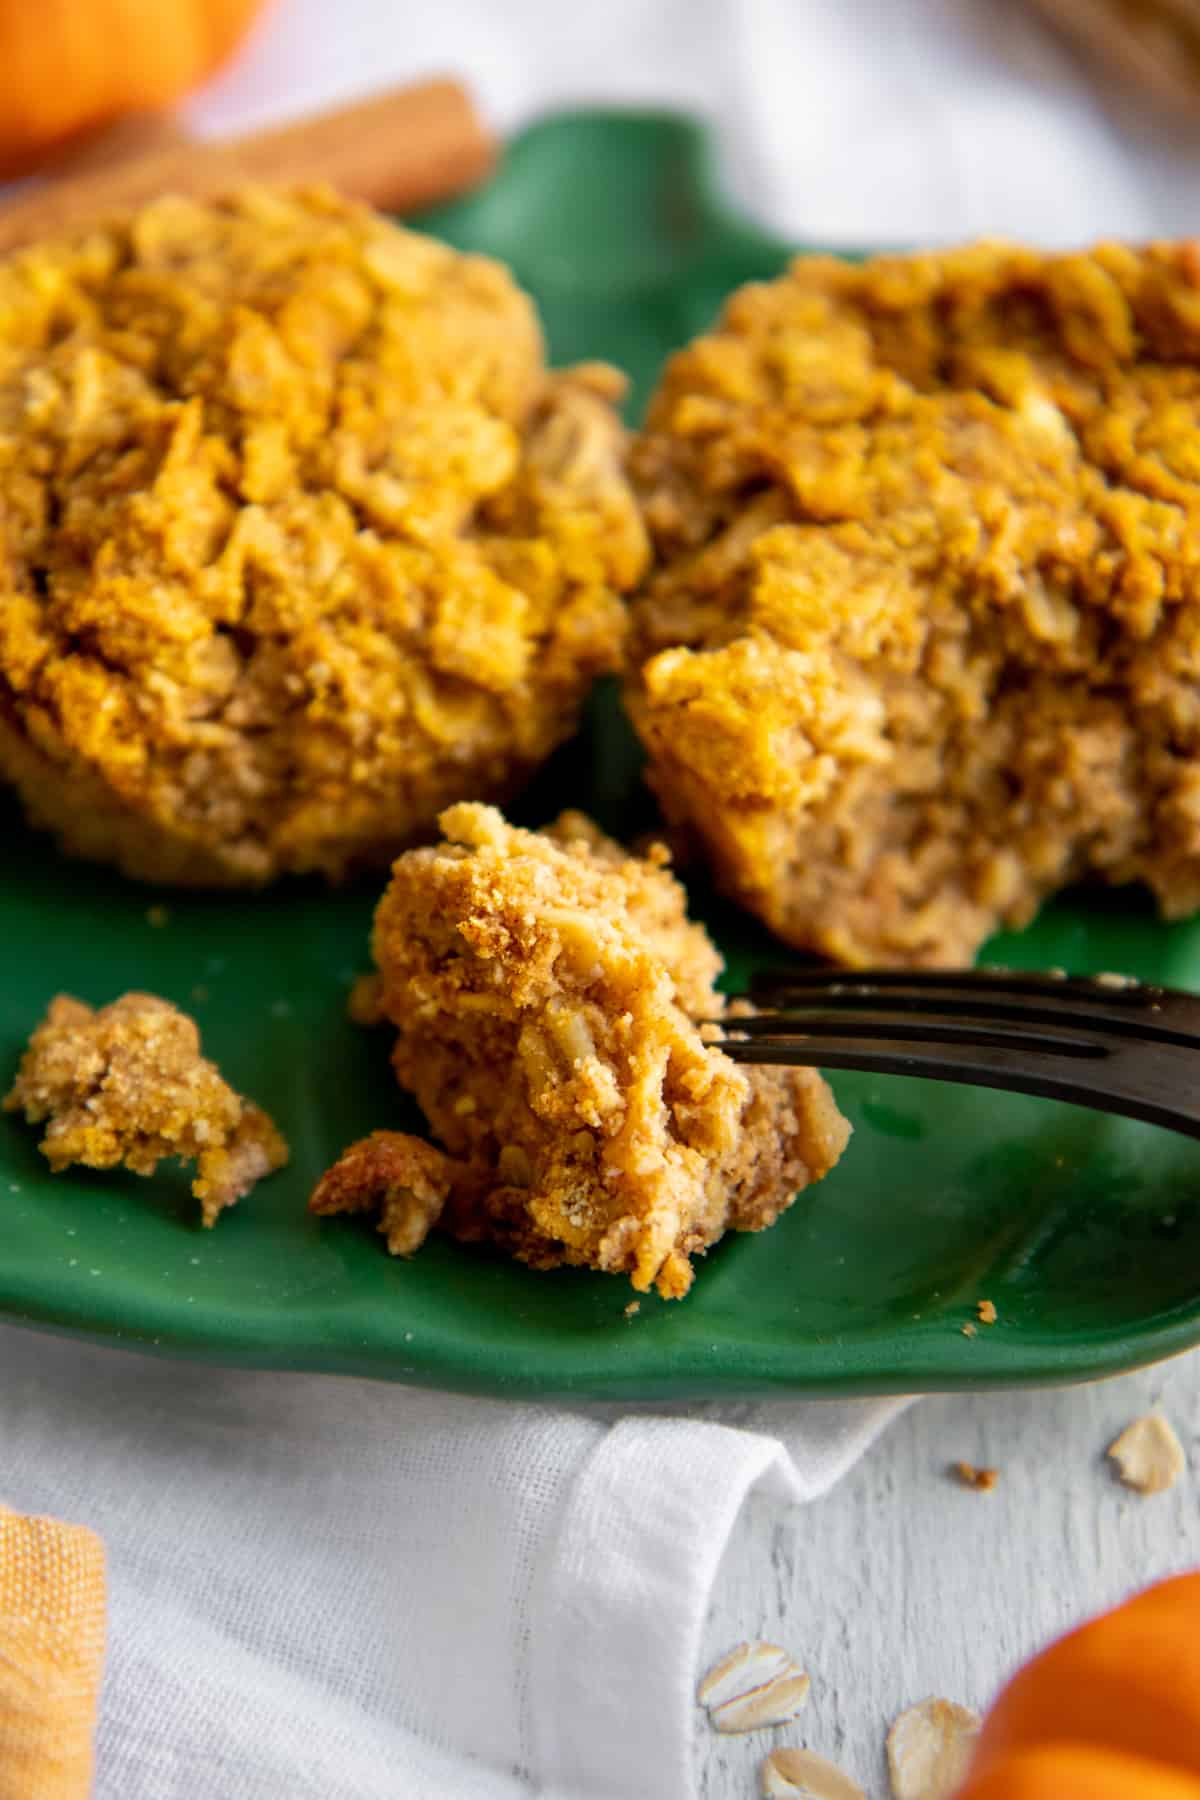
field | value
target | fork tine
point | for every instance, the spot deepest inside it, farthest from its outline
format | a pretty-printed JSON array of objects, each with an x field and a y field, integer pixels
[
  {"x": 1023, "y": 1071},
  {"x": 828, "y": 1009},
  {"x": 880, "y": 1026},
  {"x": 769, "y": 984},
  {"x": 1082, "y": 1003}
]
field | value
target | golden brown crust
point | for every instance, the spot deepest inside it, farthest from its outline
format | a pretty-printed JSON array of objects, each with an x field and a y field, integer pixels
[
  {"x": 127, "y": 1085},
  {"x": 923, "y": 643},
  {"x": 402, "y": 1178},
  {"x": 299, "y": 541},
  {"x": 547, "y": 989}
]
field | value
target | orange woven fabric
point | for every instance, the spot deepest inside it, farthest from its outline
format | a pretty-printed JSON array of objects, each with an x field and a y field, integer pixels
[{"x": 52, "y": 1606}]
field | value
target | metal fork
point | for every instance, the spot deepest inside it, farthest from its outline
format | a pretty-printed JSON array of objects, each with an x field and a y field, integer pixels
[{"x": 1108, "y": 1042}]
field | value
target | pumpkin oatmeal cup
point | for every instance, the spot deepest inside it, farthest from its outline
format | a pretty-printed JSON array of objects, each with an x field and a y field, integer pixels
[
  {"x": 922, "y": 644},
  {"x": 299, "y": 539}
]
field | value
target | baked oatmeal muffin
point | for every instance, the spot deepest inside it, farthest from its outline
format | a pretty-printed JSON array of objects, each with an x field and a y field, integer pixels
[
  {"x": 548, "y": 991},
  {"x": 299, "y": 539},
  {"x": 923, "y": 642},
  {"x": 125, "y": 1085}
]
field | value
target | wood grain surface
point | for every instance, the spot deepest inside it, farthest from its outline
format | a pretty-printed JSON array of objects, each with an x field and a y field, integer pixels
[{"x": 902, "y": 1583}]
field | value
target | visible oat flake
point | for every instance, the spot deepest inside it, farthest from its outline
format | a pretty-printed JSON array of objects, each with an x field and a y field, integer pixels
[
  {"x": 507, "y": 960},
  {"x": 288, "y": 392},
  {"x": 756, "y": 1685},
  {"x": 929, "y": 1749},
  {"x": 790, "y": 1774},
  {"x": 791, "y": 725},
  {"x": 1148, "y": 1455}
]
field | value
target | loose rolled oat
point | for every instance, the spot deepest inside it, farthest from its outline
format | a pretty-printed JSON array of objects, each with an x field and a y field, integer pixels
[
  {"x": 929, "y": 1749},
  {"x": 790, "y": 1774},
  {"x": 755, "y": 1685},
  {"x": 1148, "y": 1455}
]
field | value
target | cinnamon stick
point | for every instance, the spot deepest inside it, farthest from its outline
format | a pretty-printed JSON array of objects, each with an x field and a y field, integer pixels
[
  {"x": 398, "y": 150},
  {"x": 136, "y": 134},
  {"x": 1152, "y": 48}
]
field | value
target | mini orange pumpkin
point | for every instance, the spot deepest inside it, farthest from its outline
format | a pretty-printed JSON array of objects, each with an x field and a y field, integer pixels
[
  {"x": 69, "y": 66},
  {"x": 1110, "y": 1712}
]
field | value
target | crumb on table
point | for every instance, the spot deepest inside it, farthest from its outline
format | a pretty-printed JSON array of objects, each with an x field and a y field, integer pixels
[
  {"x": 986, "y": 1309},
  {"x": 983, "y": 1480},
  {"x": 126, "y": 1085}
]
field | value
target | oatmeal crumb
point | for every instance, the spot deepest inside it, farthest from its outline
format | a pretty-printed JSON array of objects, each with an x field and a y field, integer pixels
[
  {"x": 986, "y": 1310},
  {"x": 405, "y": 1179},
  {"x": 633, "y": 1309},
  {"x": 126, "y": 1085},
  {"x": 969, "y": 1330},
  {"x": 982, "y": 1480}
]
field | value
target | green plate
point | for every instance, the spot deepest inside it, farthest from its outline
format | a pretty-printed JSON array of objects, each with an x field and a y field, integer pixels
[{"x": 1085, "y": 1232}]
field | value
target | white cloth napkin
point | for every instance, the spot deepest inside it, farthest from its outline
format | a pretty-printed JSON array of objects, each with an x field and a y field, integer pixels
[
  {"x": 330, "y": 1588},
  {"x": 343, "y": 1590}
]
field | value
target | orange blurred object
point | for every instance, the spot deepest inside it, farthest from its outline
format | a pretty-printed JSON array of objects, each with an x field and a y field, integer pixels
[
  {"x": 71, "y": 66},
  {"x": 1110, "y": 1712},
  {"x": 1069, "y": 1772}
]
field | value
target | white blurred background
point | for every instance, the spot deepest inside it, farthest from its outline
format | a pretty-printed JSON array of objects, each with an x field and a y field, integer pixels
[{"x": 841, "y": 121}]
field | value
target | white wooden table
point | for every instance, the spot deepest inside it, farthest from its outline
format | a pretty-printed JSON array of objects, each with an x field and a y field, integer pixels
[{"x": 902, "y": 1583}]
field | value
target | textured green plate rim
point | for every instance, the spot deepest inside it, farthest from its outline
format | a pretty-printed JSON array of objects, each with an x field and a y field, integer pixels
[{"x": 1084, "y": 1231}]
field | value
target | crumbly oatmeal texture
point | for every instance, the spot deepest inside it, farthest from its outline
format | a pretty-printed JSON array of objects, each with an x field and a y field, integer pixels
[
  {"x": 547, "y": 988},
  {"x": 923, "y": 643},
  {"x": 406, "y": 1181},
  {"x": 299, "y": 540},
  {"x": 126, "y": 1084}
]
